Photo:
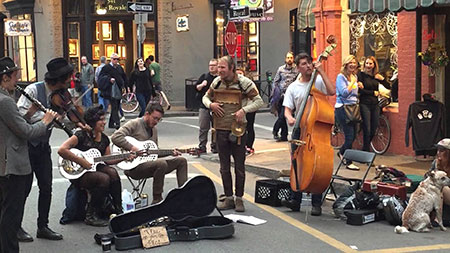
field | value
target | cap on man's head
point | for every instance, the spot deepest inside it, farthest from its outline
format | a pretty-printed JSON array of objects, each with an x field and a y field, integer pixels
[
  {"x": 7, "y": 65},
  {"x": 444, "y": 143}
]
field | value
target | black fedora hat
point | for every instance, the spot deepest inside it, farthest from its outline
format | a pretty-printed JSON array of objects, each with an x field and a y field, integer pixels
[
  {"x": 7, "y": 65},
  {"x": 58, "y": 67}
]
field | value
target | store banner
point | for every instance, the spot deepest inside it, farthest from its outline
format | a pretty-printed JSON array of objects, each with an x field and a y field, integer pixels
[
  {"x": 260, "y": 10},
  {"x": 14, "y": 27}
]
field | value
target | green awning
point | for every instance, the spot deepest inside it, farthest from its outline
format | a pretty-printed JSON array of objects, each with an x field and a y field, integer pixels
[
  {"x": 392, "y": 5},
  {"x": 305, "y": 16}
]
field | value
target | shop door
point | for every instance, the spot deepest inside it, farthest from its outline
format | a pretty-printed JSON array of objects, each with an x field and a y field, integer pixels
[
  {"x": 446, "y": 76},
  {"x": 113, "y": 36}
]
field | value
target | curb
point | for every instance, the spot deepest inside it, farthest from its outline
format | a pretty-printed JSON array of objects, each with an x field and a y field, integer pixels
[
  {"x": 169, "y": 113},
  {"x": 262, "y": 171}
]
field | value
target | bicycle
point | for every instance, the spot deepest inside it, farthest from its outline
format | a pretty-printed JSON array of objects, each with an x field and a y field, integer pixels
[
  {"x": 129, "y": 102},
  {"x": 267, "y": 89},
  {"x": 380, "y": 142}
]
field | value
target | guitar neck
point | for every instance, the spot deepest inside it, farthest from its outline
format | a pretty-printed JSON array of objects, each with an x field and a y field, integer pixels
[
  {"x": 160, "y": 153},
  {"x": 107, "y": 158}
]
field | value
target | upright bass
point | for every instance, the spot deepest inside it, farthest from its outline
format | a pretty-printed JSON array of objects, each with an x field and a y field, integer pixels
[{"x": 311, "y": 151}]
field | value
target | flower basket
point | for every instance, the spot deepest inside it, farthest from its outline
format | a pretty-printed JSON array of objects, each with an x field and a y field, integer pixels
[{"x": 434, "y": 57}]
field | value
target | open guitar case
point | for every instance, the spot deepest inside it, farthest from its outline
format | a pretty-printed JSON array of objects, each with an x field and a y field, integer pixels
[{"x": 186, "y": 211}]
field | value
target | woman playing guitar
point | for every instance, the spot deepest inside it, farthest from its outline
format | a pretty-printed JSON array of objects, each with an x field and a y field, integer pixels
[
  {"x": 296, "y": 95},
  {"x": 105, "y": 180}
]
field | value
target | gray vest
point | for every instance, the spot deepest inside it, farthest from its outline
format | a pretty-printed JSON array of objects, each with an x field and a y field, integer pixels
[{"x": 41, "y": 97}]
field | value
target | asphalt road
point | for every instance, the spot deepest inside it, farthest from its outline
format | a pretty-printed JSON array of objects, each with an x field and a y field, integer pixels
[{"x": 284, "y": 231}]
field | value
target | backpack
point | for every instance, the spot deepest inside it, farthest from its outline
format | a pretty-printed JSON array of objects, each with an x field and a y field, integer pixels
[{"x": 393, "y": 209}]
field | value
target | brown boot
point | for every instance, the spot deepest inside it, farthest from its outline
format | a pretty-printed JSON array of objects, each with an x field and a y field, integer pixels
[
  {"x": 239, "y": 205},
  {"x": 157, "y": 198},
  {"x": 227, "y": 204}
]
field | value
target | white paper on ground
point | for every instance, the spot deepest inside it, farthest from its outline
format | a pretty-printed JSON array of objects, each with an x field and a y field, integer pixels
[{"x": 245, "y": 219}]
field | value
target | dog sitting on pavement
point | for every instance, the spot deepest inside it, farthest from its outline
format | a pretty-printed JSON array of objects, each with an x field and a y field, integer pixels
[{"x": 425, "y": 199}]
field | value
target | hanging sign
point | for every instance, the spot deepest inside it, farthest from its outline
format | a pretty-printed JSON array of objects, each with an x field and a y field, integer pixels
[{"x": 14, "y": 27}]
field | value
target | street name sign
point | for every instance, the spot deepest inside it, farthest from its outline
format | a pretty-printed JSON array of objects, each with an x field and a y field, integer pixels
[
  {"x": 139, "y": 7},
  {"x": 239, "y": 12}
]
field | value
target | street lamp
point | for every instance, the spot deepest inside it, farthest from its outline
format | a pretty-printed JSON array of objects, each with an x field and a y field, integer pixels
[{"x": 101, "y": 7}]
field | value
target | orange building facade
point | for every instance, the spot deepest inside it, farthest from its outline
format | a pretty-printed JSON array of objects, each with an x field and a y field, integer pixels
[{"x": 422, "y": 24}]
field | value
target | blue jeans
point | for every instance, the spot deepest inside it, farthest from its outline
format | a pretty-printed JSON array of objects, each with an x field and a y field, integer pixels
[
  {"x": 103, "y": 101},
  {"x": 143, "y": 99},
  {"x": 370, "y": 115},
  {"x": 349, "y": 129},
  {"x": 87, "y": 98}
]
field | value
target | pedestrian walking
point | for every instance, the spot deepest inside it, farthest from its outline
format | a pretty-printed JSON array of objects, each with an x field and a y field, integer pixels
[{"x": 285, "y": 75}]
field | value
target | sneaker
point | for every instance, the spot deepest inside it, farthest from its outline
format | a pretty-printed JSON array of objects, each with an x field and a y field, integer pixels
[
  {"x": 122, "y": 119},
  {"x": 316, "y": 211},
  {"x": 275, "y": 136},
  {"x": 200, "y": 151},
  {"x": 281, "y": 139},
  {"x": 352, "y": 167},
  {"x": 214, "y": 151},
  {"x": 239, "y": 205},
  {"x": 227, "y": 204}
]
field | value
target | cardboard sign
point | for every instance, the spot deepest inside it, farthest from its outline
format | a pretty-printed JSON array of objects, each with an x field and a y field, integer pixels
[{"x": 154, "y": 237}]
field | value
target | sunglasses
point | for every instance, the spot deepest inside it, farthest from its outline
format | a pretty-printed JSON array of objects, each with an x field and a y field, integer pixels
[{"x": 116, "y": 59}]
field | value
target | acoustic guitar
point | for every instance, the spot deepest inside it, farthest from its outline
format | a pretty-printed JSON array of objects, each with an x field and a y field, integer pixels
[
  {"x": 152, "y": 152},
  {"x": 72, "y": 170}
]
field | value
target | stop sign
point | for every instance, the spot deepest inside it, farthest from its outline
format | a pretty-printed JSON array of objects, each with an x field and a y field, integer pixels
[{"x": 231, "y": 38}]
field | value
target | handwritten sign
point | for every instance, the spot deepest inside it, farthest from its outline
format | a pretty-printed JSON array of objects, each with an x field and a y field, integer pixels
[
  {"x": 154, "y": 237},
  {"x": 15, "y": 27}
]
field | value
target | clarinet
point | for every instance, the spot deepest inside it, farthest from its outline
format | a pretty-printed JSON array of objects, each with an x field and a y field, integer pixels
[{"x": 42, "y": 108}]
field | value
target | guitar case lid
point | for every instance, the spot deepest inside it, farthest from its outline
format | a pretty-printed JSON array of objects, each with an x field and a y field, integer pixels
[{"x": 196, "y": 198}]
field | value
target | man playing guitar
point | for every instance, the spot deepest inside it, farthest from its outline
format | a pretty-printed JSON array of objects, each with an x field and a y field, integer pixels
[{"x": 143, "y": 129}]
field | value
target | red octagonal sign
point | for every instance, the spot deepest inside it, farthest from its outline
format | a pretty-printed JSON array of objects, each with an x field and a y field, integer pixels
[{"x": 231, "y": 38}]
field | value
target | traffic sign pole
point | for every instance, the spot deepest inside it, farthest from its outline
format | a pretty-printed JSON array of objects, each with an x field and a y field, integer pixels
[{"x": 140, "y": 19}]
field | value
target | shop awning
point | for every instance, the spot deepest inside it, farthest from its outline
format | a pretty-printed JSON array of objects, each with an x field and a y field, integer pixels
[
  {"x": 392, "y": 5},
  {"x": 305, "y": 16}
]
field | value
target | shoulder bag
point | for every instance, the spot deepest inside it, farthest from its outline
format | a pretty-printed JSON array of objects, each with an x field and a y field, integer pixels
[
  {"x": 116, "y": 93},
  {"x": 352, "y": 113}
]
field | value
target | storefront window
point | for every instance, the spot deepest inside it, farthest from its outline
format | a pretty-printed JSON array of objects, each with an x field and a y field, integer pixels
[
  {"x": 247, "y": 51},
  {"x": 74, "y": 43},
  {"x": 121, "y": 31},
  {"x": 149, "y": 42},
  {"x": 74, "y": 7},
  {"x": 106, "y": 30},
  {"x": 22, "y": 50},
  {"x": 375, "y": 35}
]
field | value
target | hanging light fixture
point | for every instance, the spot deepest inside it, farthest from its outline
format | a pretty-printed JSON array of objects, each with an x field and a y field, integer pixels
[{"x": 100, "y": 7}]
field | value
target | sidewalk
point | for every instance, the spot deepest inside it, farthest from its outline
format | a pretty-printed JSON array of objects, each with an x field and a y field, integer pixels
[{"x": 272, "y": 159}]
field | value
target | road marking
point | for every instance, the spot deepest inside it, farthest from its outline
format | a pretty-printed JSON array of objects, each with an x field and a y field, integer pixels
[
  {"x": 312, "y": 231},
  {"x": 181, "y": 123},
  {"x": 270, "y": 150},
  {"x": 411, "y": 249},
  {"x": 266, "y": 128}
]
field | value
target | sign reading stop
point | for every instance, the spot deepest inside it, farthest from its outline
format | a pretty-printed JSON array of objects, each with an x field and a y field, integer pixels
[{"x": 231, "y": 38}]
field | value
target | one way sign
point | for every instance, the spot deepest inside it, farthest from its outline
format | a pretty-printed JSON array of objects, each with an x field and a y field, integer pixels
[{"x": 140, "y": 7}]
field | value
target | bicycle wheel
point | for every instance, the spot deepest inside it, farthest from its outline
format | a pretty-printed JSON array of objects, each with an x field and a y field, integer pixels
[
  {"x": 337, "y": 137},
  {"x": 382, "y": 139},
  {"x": 129, "y": 102}
]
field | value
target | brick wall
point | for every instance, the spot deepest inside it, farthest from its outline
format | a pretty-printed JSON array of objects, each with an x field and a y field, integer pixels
[{"x": 406, "y": 75}]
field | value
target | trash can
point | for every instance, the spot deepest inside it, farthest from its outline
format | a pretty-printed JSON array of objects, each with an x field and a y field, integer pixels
[{"x": 191, "y": 103}]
